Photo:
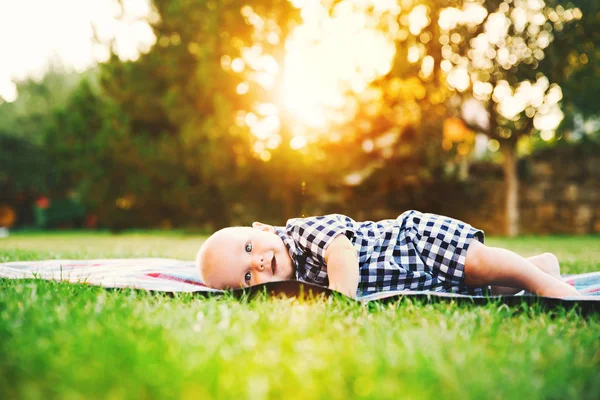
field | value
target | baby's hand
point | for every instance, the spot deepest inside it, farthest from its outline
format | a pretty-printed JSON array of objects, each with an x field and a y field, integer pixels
[{"x": 344, "y": 290}]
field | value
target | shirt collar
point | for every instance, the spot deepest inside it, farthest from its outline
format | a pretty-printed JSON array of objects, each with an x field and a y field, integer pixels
[{"x": 291, "y": 248}]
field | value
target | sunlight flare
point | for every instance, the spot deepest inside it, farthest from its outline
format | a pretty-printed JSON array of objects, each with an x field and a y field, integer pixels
[{"x": 328, "y": 56}]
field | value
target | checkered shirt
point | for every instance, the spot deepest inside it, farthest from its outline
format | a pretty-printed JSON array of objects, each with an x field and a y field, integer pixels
[{"x": 415, "y": 251}]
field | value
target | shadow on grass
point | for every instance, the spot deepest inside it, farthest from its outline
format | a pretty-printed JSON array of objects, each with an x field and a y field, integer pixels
[{"x": 302, "y": 291}]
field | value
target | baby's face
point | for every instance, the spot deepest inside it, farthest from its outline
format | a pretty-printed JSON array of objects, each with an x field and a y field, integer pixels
[{"x": 243, "y": 256}]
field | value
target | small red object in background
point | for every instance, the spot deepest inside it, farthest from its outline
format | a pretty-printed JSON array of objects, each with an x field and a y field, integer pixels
[
  {"x": 91, "y": 221},
  {"x": 43, "y": 202}
]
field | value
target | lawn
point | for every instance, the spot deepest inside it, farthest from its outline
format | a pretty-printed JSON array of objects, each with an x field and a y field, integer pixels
[{"x": 69, "y": 341}]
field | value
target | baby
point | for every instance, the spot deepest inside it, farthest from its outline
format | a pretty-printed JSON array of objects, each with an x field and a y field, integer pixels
[{"x": 415, "y": 251}]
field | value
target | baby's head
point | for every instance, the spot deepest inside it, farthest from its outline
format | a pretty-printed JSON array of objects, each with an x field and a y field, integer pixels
[{"x": 244, "y": 256}]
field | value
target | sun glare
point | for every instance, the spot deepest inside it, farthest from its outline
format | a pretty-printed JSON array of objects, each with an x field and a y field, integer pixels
[
  {"x": 68, "y": 37},
  {"x": 328, "y": 56},
  {"x": 340, "y": 48}
]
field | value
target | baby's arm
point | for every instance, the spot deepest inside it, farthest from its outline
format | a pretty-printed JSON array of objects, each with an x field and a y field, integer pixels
[{"x": 342, "y": 266}]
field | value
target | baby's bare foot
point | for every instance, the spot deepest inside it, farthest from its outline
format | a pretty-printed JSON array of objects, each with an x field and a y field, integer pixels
[
  {"x": 548, "y": 263},
  {"x": 558, "y": 289}
]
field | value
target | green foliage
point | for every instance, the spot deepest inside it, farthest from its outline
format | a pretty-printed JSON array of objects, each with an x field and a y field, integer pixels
[
  {"x": 194, "y": 165},
  {"x": 23, "y": 165},
  {"x": 27, "y": 117},
  {"x": 124, "y": 179},
  {"x": 159, "y": 142},
  {"x": 573, "y": 61},
  {"x": 60, "y": 213},
  {"x": 23, "y": 176},
  {"x": 24, "y": 161}
]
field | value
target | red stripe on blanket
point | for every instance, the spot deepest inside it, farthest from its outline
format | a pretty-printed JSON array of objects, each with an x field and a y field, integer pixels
[
  {"x": 570, "y": 282},
  {"x": 174, "y": 278},
  {"x": 590, "y": 291}
]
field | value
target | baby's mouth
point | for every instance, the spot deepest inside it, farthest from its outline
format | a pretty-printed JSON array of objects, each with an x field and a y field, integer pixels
[{"x": 273, "y": 264}]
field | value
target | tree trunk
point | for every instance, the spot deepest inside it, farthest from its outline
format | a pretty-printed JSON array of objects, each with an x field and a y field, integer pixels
[{"x": 511, "y": 181}]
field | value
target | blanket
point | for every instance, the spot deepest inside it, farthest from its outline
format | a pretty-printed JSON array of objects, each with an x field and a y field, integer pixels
[{"x": 174, "y": 276}]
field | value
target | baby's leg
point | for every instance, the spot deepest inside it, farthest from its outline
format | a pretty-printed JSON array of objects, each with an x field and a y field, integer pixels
[
  {"x": 500, "y": 267},
  {"x": 546, "y": 262}
]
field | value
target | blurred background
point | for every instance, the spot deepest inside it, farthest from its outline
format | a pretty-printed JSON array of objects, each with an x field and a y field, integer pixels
[{"x": 195, "y": 114}]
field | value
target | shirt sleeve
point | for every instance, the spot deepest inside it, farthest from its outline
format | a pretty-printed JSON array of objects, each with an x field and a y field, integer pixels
[{"x": 314, "y": 234}]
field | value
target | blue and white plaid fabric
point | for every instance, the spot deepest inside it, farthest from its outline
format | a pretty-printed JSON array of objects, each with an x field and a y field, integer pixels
[{"x": 415, "y": 251}]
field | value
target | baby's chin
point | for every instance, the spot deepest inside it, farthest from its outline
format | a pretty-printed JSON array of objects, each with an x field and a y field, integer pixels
[
  {"x": 290, "y": 275},
  {"x": 288, "y": 269}
]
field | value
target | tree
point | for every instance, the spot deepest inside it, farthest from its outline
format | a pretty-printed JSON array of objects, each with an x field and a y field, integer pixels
[
  {"x": 448, "y": 55},
  {"x": 378, "y": 125},
  {"x": 572, "y": 60},
  {"x": 24, "y": 161},
  {"x": 492, "y": 51},
  {"x": 181, "y": 98},
  {"x": 27, "y": 115},
  {"x": 196, "y": 130}
]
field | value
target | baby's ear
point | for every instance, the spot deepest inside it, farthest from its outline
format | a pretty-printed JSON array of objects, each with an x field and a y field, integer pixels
[{"x": 263, "y": 227}]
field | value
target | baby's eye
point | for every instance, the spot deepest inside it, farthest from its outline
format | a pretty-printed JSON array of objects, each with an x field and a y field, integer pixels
[
  {"x": 248, "y": 247},
  {"x": 247, "y": 277}
]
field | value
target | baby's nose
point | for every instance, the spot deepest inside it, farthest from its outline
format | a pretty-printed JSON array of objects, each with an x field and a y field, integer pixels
[{"x": 258, "y": 262}]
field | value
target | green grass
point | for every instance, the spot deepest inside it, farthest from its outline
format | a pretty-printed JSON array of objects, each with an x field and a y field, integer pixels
[{"x": 68, "y": 341}]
